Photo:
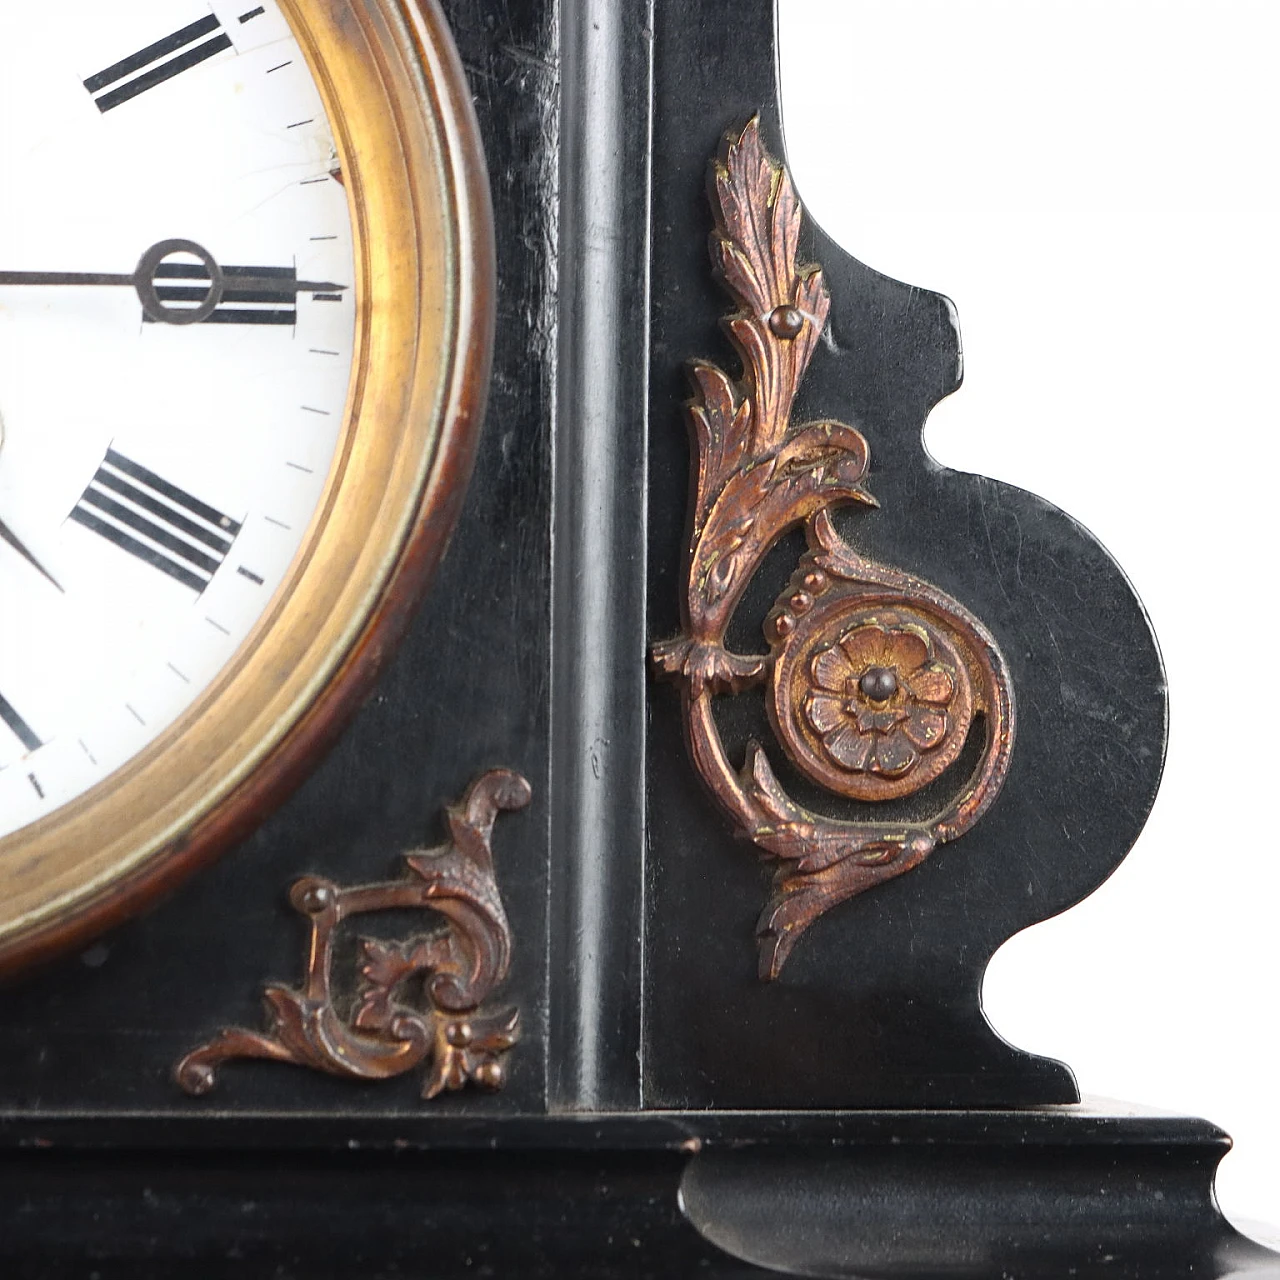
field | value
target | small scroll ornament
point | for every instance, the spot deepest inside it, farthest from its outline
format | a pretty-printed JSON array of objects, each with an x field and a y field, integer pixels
[
  {"x": 875, "y": 679},
  {"x": 416, "y": 1002}
]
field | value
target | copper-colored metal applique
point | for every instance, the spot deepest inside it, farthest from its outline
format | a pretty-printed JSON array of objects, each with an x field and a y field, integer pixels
[
  {"x": 876, "y": 679},
  {"x": 417, "y": 1001}
]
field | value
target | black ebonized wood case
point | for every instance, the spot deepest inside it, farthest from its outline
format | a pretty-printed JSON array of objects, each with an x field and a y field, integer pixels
[{"x": 665, "y": 1112}]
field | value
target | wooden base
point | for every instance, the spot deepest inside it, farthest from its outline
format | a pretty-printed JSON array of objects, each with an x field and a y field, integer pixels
[{"x": 1040, "y": 1195}]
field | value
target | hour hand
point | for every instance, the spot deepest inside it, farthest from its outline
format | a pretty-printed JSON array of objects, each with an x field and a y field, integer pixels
[{"x": 8, "y": 535}]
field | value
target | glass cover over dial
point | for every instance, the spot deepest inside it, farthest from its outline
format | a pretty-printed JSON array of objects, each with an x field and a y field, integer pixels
[{"x": 177, "y": 320}]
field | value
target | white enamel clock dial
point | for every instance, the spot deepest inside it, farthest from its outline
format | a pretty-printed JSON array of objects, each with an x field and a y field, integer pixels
[{"x": 176, "y": 347}]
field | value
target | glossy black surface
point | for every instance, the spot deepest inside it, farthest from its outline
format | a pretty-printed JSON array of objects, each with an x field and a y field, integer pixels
[
  {"x": 878, "y": 1195},
  {"x": 599, "y": 674},
  {"x": 968, "y": 1202}
]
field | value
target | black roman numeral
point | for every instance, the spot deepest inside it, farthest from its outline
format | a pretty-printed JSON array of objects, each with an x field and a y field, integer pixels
[
  {"x": 272, "y": 300},
  {"x": 157, "y": 63},
  {"x": 18, "y": 726},
  {"x": 160, "y": 524}
]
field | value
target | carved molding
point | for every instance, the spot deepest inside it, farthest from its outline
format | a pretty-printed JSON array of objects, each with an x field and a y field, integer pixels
[
  {"x": 416, "y": 1002},
  {"x": 875, "y": 679}
]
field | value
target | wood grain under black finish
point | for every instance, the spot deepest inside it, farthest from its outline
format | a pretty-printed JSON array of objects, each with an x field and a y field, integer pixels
[{"x": 880, "y": 1004}]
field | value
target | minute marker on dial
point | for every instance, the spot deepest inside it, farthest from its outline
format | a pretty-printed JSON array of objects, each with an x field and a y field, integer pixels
[{"x": 245, "y": 284}]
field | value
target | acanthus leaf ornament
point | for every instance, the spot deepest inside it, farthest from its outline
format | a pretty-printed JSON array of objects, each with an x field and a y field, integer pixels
[
  {"x": 417, "y": 1002},
  {"x": 876, "y": 679}
]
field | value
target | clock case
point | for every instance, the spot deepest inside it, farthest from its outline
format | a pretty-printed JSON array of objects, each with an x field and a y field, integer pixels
[{"x": 665, "y": 1112}]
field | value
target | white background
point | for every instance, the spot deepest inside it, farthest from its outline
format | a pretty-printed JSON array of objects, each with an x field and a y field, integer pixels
[{"x": 1094, "y": 183}]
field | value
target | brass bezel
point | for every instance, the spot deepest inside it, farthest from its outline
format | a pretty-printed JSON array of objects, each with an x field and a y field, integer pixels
[{"x": 414, "y": 172}]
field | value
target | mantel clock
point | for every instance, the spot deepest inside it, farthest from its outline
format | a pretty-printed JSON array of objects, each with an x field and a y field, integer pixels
[{"x": 635, "y": 923}]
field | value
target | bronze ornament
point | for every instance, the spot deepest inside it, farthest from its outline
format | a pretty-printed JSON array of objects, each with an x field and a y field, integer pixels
[
  {"x": 879, "y": 711},
  {"x": 875, "y": 679},
  {"x": 417, "y": 1002}
]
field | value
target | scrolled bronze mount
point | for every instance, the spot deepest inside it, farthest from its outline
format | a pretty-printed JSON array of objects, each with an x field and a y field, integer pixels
[
  {"x": 875, "y": 679},
  {"x": 418, "y": 1001}
]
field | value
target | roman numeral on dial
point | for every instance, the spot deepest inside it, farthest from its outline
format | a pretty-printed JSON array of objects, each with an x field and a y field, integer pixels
[
  {"x": 157, "y": 63},
  {"x": 162, "y": 525},
  {"x": 273, "y": 301},
  {"x": 18, "y": 726}
]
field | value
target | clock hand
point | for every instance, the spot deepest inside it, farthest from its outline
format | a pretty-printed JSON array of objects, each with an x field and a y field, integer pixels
[
  {"x": 149, "y": 270},
  {"x": 61, "y": 277},
  {"x": 8, "y": 535}
]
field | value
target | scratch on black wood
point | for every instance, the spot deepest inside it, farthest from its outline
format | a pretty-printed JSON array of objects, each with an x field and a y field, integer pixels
[{"x": 530, "y": 58}]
